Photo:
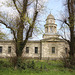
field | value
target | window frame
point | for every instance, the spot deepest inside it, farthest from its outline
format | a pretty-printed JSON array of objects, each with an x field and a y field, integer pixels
[
  {"x": 53, "y": 50},
  {"x": 1, "y": 49},
  {"x": 27, "y": 50},
  {"x": 9, "y": 49},
  {"x": 36, "y": 50},
  {"x": 51, "y": 29}
]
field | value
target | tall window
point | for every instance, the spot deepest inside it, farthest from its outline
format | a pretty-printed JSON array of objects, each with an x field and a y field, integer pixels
[
  {"x": 47, "y": 29},
  {"x": 36, "y": 49},
  {"x": 9, "y": 49},
  {"x": 51, "y": 29},
  {"x": 53, "y": 49},
  {"x": 27, "y": 49},
  {"x": 0, "y": 49},
  {"x": 66, "y": 50}
]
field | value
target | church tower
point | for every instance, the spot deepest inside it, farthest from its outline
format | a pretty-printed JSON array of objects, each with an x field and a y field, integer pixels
[{"x": 50, "y": 27}]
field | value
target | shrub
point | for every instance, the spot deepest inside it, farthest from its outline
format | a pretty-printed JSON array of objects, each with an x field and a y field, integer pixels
[
  {"x": 31, "y": 64},
  {"x": 5, "y": 64},
  {"x": 69, "y": 62}
]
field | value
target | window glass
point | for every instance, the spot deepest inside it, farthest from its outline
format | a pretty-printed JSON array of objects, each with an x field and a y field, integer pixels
[
  {"x": 0, "y": 49},
  {"x": 27, "y": 49},
  {"x": 9, "y": 49},
  {"x": 47, "y": 29},
  {"x": 51, "y": 29},
  {"x": 53, "y": 49},
  {"x": 66, "y": 50},
  {"x": 36, "y": 49}
]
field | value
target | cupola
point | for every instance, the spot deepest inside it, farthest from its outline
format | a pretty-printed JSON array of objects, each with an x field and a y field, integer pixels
[{"x": 50, "y": 26}]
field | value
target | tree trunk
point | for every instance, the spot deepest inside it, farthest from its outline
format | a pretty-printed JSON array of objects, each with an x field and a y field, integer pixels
[
  {"x": 72, "y": 46},
  {"x": 72, "y": 41},
  {"x": 19, "y": 45},
  {"x": 71, "y": 27}
]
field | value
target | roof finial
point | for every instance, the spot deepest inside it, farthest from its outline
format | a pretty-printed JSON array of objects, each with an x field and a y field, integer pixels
[{"x": 50, "y": 10}]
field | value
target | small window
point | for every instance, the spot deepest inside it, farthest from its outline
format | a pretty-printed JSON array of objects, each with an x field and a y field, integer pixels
[
  {"x": 50, "y": 21},
  {"x": 0, "y": 49},
  {"x": 66, "y": 50},
  {"x": 27, "y": 49},
  {"x": 53, "y": 49},
  {"x": 9, "y": 49},
  {"x": 36, "y": 49}
]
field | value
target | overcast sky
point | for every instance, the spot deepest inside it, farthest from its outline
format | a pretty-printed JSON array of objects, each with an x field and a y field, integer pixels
[{"x": 56, "y": 7}]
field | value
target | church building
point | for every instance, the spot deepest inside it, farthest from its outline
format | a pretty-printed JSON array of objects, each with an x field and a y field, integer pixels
[{"x": 50, "y": 47}]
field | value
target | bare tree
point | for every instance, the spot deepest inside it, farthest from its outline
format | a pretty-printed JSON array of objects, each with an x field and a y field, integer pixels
[
  {"x": 22, "y": 24},
  {"x": 71, "y": 10},
  {"x": 71, "y": 26}
]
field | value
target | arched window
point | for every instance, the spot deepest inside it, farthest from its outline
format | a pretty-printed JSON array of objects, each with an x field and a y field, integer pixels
[{"x": 50, "y": 21}]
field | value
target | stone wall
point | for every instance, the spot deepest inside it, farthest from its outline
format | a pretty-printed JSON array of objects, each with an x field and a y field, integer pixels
[
  {"x": 5, "y": 45},
  {"x": 59, "y": 49},
  {"x": 44, "y": 49},
  {"x": 32, "y": 45}
]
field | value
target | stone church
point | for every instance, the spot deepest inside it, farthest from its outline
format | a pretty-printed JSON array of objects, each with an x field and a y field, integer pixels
[{"x": 50, "y": 47}]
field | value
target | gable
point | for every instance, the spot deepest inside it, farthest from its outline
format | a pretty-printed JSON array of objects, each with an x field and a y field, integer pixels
[{"x": 53, "y": 39}]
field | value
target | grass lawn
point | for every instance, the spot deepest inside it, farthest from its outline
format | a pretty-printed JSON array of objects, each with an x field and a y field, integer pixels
[{"x": 42, "y": 67}]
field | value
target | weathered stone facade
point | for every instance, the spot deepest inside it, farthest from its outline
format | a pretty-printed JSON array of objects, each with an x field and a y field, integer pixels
[
  {"x": 4, "y": 49},
  {"x": 50, "y": 47}
]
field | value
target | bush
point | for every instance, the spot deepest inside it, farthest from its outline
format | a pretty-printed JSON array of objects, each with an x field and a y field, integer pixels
[
  {"x": 21, "y": 64},
  {"x": 5, "y": 64},
  {"x": 68, "y": 62},
  {"x": 31, "y": 64}
]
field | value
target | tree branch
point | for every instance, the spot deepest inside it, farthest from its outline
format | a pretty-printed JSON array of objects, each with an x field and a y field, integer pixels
[
  {"x": 30, "y": 3},
  {"x": 68, "y": 3},
  {"x": 14, "y": 1},
  {"x": 23, "y": 14},
  {"x": 66, "y": 23},
  {"x": 31, "y": 27},
  {"x": 25, "y": 2},
  {"x": 65, "y": 39},
  {"x": 9, "y": 28},
  {"x": 20, "y": 3},
  {"x": 63, "y": 21}
]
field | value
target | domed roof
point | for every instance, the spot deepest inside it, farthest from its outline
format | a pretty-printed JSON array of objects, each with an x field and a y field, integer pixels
[{"x": 50, "y": 16}]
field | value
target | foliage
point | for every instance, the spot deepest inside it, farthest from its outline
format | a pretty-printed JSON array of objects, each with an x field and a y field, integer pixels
[
  {"x": 21, "y": 23},
  {"x": 67, "y": 64},
  {"x": 5, "y": 63},
  {"x": 51, "y": 67},
  {"x": 3, "y": 36}
]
